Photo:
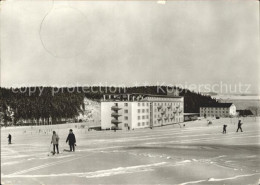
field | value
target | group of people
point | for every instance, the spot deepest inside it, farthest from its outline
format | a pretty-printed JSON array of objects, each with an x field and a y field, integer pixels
[
  {"x": 239, "y": 127},
  {"x": 71, "y": 139}
]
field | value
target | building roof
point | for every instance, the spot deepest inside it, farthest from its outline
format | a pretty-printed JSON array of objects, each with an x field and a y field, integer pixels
[
  {"x": 136, "y": 97},
  {"x": 147, "y": 95},
  {"x": 222, "y": 105}
]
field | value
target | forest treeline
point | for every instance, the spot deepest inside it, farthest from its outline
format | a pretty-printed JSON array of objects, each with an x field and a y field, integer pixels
[{"x": 49, "y": 103}]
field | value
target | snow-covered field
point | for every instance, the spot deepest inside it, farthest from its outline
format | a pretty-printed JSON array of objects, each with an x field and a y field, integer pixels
[{"x": 194, "y": 154}]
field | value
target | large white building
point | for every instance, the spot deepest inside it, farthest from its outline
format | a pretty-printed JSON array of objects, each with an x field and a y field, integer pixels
[
  {"x": 218, "y": 110},
  {"x": 140, "y": 111}
]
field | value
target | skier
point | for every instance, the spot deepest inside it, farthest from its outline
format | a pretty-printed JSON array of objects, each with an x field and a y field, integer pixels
[
  {"x": 55, "y": 141},
  {"x": 9, "y": 139},
  {"x": 239, "y": 126},
  {"x": 224, "y": 129},
  {"x": 72, "y": 140}
]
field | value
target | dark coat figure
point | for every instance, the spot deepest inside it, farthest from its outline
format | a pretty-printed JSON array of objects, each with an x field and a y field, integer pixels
[
  {"x": 9, "y": 139},
  {"x": 224, "y": 129},
  {"x": 239, "y": 126},
  {"x": 72, "y": 140}
]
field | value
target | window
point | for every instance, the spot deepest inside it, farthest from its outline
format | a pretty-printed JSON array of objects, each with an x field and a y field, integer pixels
[
  {"x": 147, "y": 117},
  {"x": 143, "y": 123},
  {"x": 126, "y": 118},
  {"x": 139, "y": 124},
  {"x": 126, "y": 104},
  {"x": 139, "y": 117},
  {"x": 142, "y": 104},
  {"x": 143, "y": 117},
  {"x": 147, "y": 110},
  {"x": 126, "y": 111},
  {"x": 143, "y": 110},
  {"x": 138, "y": 104},
  {"x": 139, "y": 110},
  {"x": 147, "y": 104}
]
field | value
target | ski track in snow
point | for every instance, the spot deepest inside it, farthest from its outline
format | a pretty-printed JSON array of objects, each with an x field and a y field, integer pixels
[
  {"x": 96, "y": 174},
  {"x": 47, "y": 165},
  {"x": 218, "y": 179}
]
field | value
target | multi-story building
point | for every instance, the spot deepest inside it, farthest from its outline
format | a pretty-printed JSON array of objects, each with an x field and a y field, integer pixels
[
  {"x": 139, "y": 111},
  {"x": 218, "y": 110}
]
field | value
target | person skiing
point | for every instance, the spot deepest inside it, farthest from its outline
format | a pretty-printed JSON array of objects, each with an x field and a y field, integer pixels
[
  {"x": 224, "y": 129},
  {"x": 9, "y": 139},
  {"x": 72, "y": 140},
  {"x": 55, "y": 141},
  {"x": 239, "y": 126}
]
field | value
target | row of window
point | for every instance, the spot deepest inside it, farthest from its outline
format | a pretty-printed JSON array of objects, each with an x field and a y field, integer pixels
[
  {"x": 143, "y": 117},
  {"x": 143, "y": 110},
  {"x": 147, "y": 104},
  {"x": 161, "y": 103},
  {"x": 159, "y": 110},
  {"x": 147, "y": 117},
  {"x": 155, "y": 122},
  {"x": 215, "y": 111},
  {"x": 167, "y": 121},
  {"x": 142, "y": 123},
  {"x": 217, "y": 108},
  {"x": 170, "y": 115},
  {"x": 125, "y": 104},
  {"x": 143, "y": 104}
]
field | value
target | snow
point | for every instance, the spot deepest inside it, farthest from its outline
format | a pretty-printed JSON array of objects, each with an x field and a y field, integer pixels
[{"x": 196, "y": 154}]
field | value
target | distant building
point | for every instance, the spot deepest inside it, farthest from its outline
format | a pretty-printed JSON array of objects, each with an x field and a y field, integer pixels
[
  {"x": 140, "y": 111},
  {"x": 218, "y": 110},
  {"x": 191, "y": 116}
]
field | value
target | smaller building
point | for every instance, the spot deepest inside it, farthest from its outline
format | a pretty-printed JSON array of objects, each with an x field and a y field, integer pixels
[{"x": 218, "y": 110}]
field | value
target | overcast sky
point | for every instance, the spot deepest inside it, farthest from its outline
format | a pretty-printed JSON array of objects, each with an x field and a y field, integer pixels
[{"x": 131, "y": 43}]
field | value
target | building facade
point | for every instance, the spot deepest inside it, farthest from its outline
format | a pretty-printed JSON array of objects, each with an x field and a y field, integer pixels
[
  {"x": 218, "y": 110},
  {"x": 140, "y": 111}
]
